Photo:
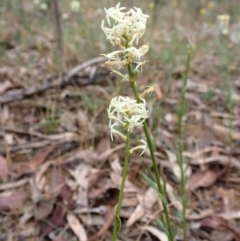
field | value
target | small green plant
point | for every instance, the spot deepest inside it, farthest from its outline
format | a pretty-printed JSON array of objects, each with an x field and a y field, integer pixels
[
  {"x": 125, "y": 114},
  {"x": 210, "y": 94},
  {"x": 180, "y": 159}
]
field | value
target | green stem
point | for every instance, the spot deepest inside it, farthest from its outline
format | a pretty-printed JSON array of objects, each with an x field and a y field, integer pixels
[
  {"x": 120, "y": 197},
  {"x": 181, "y": 112},
  {"x": 182, "y": 108},
  {"x": 152, "y": 150}
]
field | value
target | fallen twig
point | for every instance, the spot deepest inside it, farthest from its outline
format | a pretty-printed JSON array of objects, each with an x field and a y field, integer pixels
[{"x": 48, "y": 82}]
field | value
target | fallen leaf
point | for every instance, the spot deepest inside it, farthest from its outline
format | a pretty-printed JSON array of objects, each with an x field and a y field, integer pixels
[
  {"x": 204, "y": 178},
  {"x": 40, "y": 158},
  {"x": 214, "y": 222},
  {"x": 103, "y": 145},
  {"x": 5, "y": 115},
  {"x": 66, "y": 195},
  {"x": 3, "y": 169},
  {"x": 175, "y": 167},
  {"x": 146, "y": 202},
  {"x": 80, "y": 174},
  {"x": 55, "y": 221},
  {"x": 35, "y": 161},
  {"x": 12, "y": 201},
  {"x": 94, "y": 178},
  {"x": 5, "y": 86},
  {"x": 43, "y": 209},
  {"x": 108, "y": 221},
  {"x": 56, "y": 181},
  {"x": 82, "y": 120},
  {"x": 219, "y": 223},
  {"x": 9, "y": 139},
  {"x": 158, "y": 91},
  {"x": 221, "y": 131},
  {"x": 156, "y": 232},
  {"x": 60, "y": 239},
  {"x": 77, "y": 227}
]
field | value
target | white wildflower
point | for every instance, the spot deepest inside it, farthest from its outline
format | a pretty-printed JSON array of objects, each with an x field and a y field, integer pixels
[
  {"x": 224, "y": 23},
  {"x": 142, "y": 147},
  {"x": 36, "y": 2},
  {"x": 65, "y": 16},
  {"x": 126, "y": 113},
  {"x": 125, "y": 78},
  {"x": 148, "y": 91},
  {"x": 43, "y": 6},
  {"x": 133, "y": 52},
  {"x": 139, "y": 65},
  {"x": 75, "y": 6},
  {"x": 114, "y": 60},
  {"x": 124, "y": 27},
  {"x": 114, "y": 131}
]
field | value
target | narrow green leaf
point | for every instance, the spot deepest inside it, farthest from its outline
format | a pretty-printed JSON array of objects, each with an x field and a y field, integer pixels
[
  {"x": 150, "y": 174},
  {"x": 149, "y": 181},
  {"x": 162, "y": 227},
  {"x": 163, "y": 198}
]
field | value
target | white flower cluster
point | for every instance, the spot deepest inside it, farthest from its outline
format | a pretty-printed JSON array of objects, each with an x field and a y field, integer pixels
[
  {"x": 75, "y": 6},
  {"x": 41, "y": 4},
  {"x": 124, "y": 29},
  {"x": 127, "y": 27},
  {"x": 224, "y": 23},
  {"x": 127, "y": 113}
]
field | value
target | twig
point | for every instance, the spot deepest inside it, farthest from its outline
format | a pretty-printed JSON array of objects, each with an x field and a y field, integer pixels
[{"x": 48, "y": 82}]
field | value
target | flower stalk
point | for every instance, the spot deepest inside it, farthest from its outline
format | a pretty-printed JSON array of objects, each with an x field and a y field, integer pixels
[
  {"x": 151, "y": 146},
  {"x": 180, "y": 159},
  {"x": 117, "y": 222},
  {"x": 124, "y": 30}
]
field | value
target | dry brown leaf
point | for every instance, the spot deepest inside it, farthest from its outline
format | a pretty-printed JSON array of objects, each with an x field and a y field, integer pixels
[
  {"x": 201, "y": 215},
  {"x": 41, "y": 157},
  {"x": 5, "y": 86},
  {"x": 56, "y": 182},
  {"x": 157, "y": 233},
  {"x": 82, "y": 120},
  {"x": 103, "y": 145},
  {"x": 223, "y": 160},
  {"x": 77, "y": 227},
  {"x": 43, "y": 209},
  {"x": 175, "y": 167},
  {"x": 57, "y": 219},
  {"x": 94, "y": 178},
  {"x": 172, "y": 197},
  {"x": 60, "y": 239},
  {"x": 219, "y": 223},
  {"x": 230, "y": 215},
  {"x": 204, "y": 178},
  {"x": 12, "y": 200},
  {"x": 66, "y": 195},
  {"x": 5, "y": 115},
  {"x": 81, "y": 174},
  {"x": 108, "y": 221},
  {"x": 11, "y": 185},
  {"x": 145, "y": 203},
  {"x": 3, "y": 169},
  {"x": 158, "y": 91},
  {"x": 221, "y": 130}
]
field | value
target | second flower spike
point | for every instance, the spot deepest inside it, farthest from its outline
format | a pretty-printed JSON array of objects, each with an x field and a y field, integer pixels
[{"x": 126, "y": 113}]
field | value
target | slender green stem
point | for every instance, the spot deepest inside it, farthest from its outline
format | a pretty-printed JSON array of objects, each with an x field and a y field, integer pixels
[
  {"x": 120, "y": 197},
  {"x": 181, "y": 112},
  {"x": 182, "y": 108},
  {"x": 152, "y": 150}
]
